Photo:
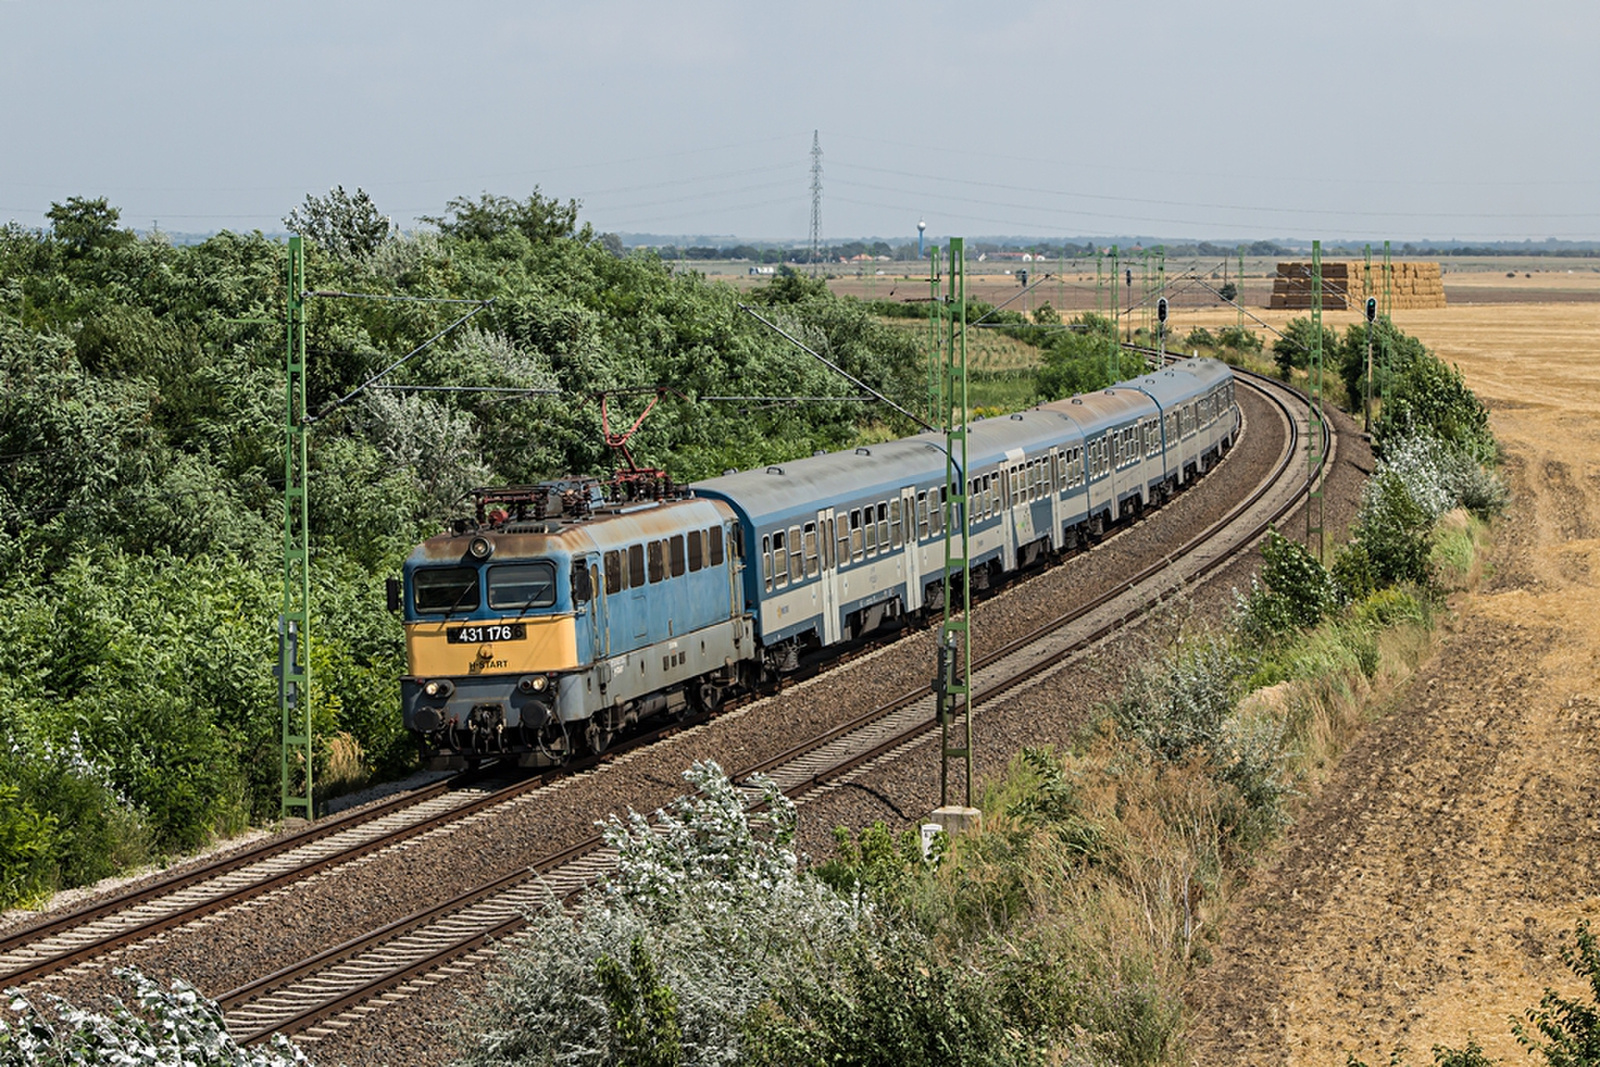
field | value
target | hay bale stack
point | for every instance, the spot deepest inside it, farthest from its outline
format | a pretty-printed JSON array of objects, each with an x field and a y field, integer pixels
[{"x": 1411, "y": 285}]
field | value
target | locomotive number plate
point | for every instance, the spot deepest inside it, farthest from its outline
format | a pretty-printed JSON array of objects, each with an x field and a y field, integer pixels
[{"x": 486, "y": 633}]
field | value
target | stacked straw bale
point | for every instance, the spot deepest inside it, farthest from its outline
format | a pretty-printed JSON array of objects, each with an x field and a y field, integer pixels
[{"x": 1411, "y": 285}]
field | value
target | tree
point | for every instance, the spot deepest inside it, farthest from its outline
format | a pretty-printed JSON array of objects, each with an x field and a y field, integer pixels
[
  {"x": 539, "y": 218},
  {"x": 344, "y": 225},
  {"x": 84, "y": 225},
  {"x": 1076, "y": 359},
  {"x": 1293, "y": 348}
]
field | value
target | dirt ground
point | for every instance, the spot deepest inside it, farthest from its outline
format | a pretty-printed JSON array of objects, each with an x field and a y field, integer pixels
[{"x": 1427, "y": 889}]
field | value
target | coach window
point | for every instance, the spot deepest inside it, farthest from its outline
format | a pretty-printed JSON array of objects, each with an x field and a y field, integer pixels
[
  {"x": 766, "y": 561},
  {"x": 613, "y": 572},
  {"x": 696, "y": 552},
  {"x": 857, "y": 546},
  {"x": 895, "y": 537},
  {"x": 870, "y": 530},
  {"x": 780, "y": 559},
  {"x": 797, "y": 562},
  {"x": 810, "y": 543},
  {"x": 826, "y": 533},
  {"x": 883, "y": 526},
  {"x": 447, "y": 589},
  {"x": 844, "y": 540}
]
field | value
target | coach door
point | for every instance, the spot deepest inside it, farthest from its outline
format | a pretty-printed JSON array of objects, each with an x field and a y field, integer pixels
[
  {"x": 828, "y": 581},
  {"x": 904, "y": 527}
]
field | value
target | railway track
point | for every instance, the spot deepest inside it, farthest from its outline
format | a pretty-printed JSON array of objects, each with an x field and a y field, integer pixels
[
  {"x": 84, "y": 935},
  {"x": 335, "y": 988}
]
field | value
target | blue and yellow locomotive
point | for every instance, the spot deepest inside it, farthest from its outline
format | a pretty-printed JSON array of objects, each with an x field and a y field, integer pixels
[{"x": 558, "y": 619}]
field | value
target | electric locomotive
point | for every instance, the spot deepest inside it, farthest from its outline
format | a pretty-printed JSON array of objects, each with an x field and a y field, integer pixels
[{"x": 558, "y": 619}]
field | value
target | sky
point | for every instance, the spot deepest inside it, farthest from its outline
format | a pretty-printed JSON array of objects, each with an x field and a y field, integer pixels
[{"x": 1242, "y": 120}]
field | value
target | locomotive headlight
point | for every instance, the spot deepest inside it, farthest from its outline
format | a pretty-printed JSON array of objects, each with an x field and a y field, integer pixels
[
  {"x": 533, "y": 683},
  {"x": 439, "y": 687},
  {"x": 481, "y": 548}
]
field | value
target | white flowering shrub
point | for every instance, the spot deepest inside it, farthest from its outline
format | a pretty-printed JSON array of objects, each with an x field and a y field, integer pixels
[
  {"x": 437, "y": 445},
  {"x": 1422, "y": 464},
  {"x": 706, "y": 914},
  {"x": 170, "y": 1028},
  {"x": 707, "y": 844},
  {"x": 1179, "y": 701},
  {"x": 1440, "y": 476}
]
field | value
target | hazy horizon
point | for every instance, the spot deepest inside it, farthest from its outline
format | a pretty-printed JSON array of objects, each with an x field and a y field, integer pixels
[{"x": 1428, "y": 121}]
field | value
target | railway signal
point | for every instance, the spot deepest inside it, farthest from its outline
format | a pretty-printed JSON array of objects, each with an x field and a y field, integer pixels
[{"x": 1366, "y": 405}]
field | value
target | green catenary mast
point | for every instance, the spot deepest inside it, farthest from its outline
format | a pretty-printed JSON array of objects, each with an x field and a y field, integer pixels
[
  {"x": 955, "y": 632},
  {"x": 294, "y": 631}
]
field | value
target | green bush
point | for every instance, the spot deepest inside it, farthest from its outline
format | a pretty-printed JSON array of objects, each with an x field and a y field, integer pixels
[
  {"x": 176, "y": 1026},
  {"x": 1239, "y": 339},
  {"x": 1292, "y": 349},
  {"x": 25, "y": 848},
  {"x": 1077, "y": 360},
  {"x": 1393, "y": 530},
  {"x": 1298, "y": 591},
  {"x": 1565, "y": 1031}
]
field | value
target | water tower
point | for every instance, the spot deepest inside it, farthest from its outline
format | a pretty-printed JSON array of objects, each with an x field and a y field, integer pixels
[{"x": 922, "y": 228}]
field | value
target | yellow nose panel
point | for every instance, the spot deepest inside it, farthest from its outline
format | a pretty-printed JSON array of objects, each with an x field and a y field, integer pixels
[{"x": 550, "y": 644}]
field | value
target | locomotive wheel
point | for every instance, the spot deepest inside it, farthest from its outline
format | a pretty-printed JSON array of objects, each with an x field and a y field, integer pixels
[
  {"x": 597, "y": 735},
  {"x": 704, "y": 696}
]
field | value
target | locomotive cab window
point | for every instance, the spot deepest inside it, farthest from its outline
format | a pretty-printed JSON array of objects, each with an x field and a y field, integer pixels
[
  {"x": 520, "y": 586},
  {"x": 436, "y": 589},
  {"x": 715, "y": 541},
  {"x": 614, "y": 573}
]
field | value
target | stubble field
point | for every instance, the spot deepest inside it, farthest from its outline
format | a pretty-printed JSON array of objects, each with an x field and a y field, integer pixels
[{"x": 1426, "y": 891}]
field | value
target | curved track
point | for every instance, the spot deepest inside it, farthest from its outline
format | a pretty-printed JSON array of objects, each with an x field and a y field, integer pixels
[
  {"x": 325, "y": 993},
  {"x": 313, "y": 996}
]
